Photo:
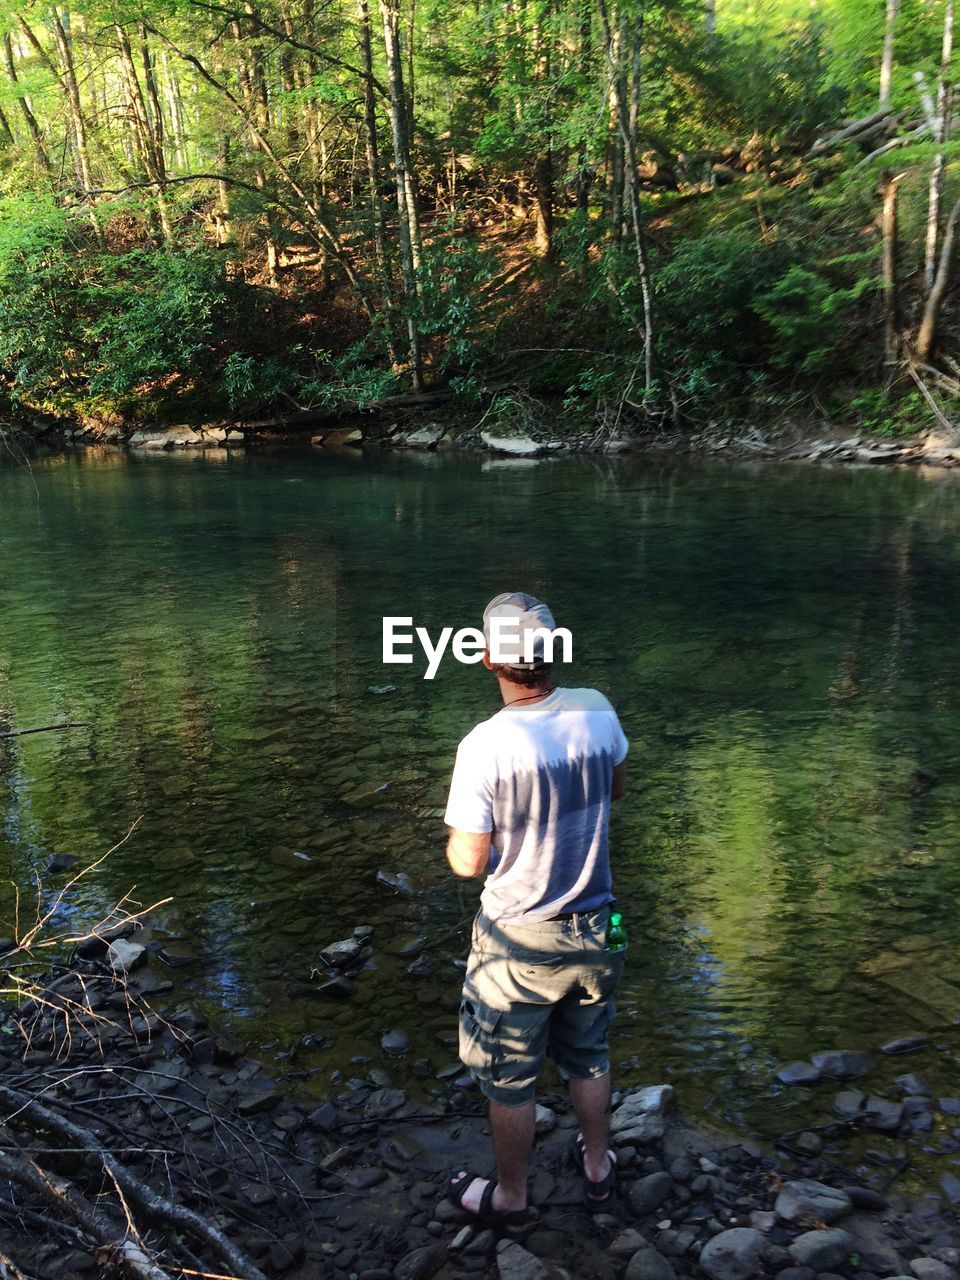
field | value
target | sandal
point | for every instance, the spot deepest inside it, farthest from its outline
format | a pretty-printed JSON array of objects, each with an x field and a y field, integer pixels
[
  {"x": 598, "y": 1197},
  {"x": 509, "y": 1224}
]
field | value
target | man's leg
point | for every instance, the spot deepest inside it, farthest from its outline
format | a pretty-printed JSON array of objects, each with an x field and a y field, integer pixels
[
  {"x": 591, "y": 1102},
  {"x": 513, "y": 1130}
]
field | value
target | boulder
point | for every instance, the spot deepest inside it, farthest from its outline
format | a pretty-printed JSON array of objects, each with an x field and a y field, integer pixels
[
  {"x": 427, "y": 437},
  {"x": 517, "y": 445},
  {"x": 804, "y": 1200},
  {"x": 736, "y": 1254},
  {"x": 822, "y": 1250}
]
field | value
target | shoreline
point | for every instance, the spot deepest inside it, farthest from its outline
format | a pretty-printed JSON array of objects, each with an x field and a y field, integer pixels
[{"x": 353, "y": 1185}]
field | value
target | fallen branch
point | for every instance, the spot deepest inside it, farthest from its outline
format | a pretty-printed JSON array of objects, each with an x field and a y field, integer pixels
[{"x": 47, "y": 728}]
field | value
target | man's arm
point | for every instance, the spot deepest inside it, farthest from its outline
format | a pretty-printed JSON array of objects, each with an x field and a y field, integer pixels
[
  {"x": 468, "y": 852},
  {"x": 619, "y": 784}
]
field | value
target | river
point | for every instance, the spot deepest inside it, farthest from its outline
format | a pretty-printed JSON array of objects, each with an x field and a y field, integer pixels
[{"x": 781, "y": 643}]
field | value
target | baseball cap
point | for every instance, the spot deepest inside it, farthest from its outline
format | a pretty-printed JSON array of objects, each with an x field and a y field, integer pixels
[{"x": 531, "y": 615}]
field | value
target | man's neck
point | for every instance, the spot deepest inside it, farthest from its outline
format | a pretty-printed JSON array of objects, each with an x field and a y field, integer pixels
[{"x": 523, "y": 694}]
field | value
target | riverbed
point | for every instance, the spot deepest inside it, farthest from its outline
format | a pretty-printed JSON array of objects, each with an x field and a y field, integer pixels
[{"x": 780, "y": 642}]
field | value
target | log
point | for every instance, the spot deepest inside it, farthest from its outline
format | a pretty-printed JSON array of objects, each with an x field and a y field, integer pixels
[{"x": 870, "y": 122}]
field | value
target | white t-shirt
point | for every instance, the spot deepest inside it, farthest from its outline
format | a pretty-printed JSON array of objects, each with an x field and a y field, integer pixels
[{"x": 538, "y": 777}]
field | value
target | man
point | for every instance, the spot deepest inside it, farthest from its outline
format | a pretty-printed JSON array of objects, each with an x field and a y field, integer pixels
[{"x": 529, "y": 805}]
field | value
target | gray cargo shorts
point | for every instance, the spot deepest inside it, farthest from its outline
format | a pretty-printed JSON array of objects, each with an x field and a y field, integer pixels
[{"x": 536, "y": 990}]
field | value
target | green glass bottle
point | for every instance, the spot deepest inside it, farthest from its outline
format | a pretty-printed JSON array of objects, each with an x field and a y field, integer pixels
[{"x": 616, "y": 933}]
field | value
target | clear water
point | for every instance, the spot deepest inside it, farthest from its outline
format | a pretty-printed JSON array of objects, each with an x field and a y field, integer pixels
[{"x": 781, "y": 643}]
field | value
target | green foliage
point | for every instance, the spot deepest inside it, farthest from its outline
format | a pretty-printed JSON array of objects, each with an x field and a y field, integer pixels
[{"x": 882, "y": 413}]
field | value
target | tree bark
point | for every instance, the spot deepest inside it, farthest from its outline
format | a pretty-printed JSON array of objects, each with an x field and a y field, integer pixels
[
  {"x": 142, "y": 132},
  {"x": 941, "y": 133},
  {"x": 888, "y": 272},
  {"x": 409, "y": 225},
  {"x": 23, "y": 101},
  {"x": 928, "y": 324},
  {"x": 886, "y": 59},
  {"x": 710, "y": 17}
]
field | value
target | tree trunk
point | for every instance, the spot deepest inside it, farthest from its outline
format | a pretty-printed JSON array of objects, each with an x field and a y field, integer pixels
[
  {"x": 409, "y": 226},
  {"x": 543, "y": 188},
  {"x": 888, "y": 272},
  {"x": 371, "y": 147},
  {"x": 710, "y": 17},
  {"x": 928, "y": 324},
  {"x": 24, "y": 103},
  {"x": 621, "y": 90},
  {"x": 144, "y": 138},
  {"x": 886, "y": 60},
  {"x": 941, "y": 134}
]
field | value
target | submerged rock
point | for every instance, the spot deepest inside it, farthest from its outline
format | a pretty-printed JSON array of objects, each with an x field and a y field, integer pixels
[
  {"x": 339, "y": 954},
  {"x": 843, "y": 1064},
  {"x": 399, "y": 882},
  {"x": 737, "y": 1254},
  {"x": 395, "y": 1043},
  {"x": 905, "y": 1044},
  {"x": 798, "y": 1073}
]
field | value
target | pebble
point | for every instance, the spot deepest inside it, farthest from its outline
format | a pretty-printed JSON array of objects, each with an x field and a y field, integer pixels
[{"x": 546, "y": 1120}]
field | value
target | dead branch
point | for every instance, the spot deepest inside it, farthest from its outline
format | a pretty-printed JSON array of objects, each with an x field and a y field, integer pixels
[
  {"x": 10, "y": 1271},
  {"x": 47, "y": 728},
  {"x": 156, "y": 1208}
]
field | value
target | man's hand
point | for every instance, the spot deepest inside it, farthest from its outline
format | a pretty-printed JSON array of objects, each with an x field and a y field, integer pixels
[
  {"x": 619, "y": 783},
  {"x": 467, "y": 852}
]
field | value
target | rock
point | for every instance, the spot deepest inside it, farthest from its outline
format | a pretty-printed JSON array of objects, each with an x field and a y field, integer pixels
[
  {"x": 339, "y": 954},
  {"x": 255, "y": 1103},
  {"x": 515, "y": 1263},
  {"x": 822, "y": 1250},
  {"x": 518, "y": 445},
  {"x": 258, "y": 1194},
  {"x": 905, "y": 1044},
  {"x": 797, "y": 1273},
  {"x": 286, "y": 1254},
  {"x": 546, "y": 1120},
  {"x": 882, "y": 1115},
  {"x": 736, "y": 1254},
  {"x": 383, "y": 1102},
  {"x": 126, "y": 956},
  {"x": 427, "y": 437},
  {"x": 58, "y": 862},
  {"x": 950, "y": 1106},
  {"x": 811, "y": 1144},
  {"x": 399, "y": 883},
  {"x": 338, "y": 986},
  {"x": 648, "y": 1193},
  {"x": 420, "y": 1264},
  {"x": 865, "y": 1199},
  {"x": 931, "y": 1269},
  {"x": 626, "y": 1244},
  {"x": 848, "y": 1104},
  {"x": 798, "y": 1073},
  {"x": 649, "y": 1264},
  {"x": 461, "y": 1239},
  {"x": 805, "y": 1199},
  {"x": 951, "y": 1187},
  {"x": 176, "y": 957},
  {"x": 913, "y": 1083},
  {"x": 640, "y": 1116},
  {"x": 395, "y": 1043},
  {"x": 843, "y": 1064},
  {"x": 876, "y": 455}
]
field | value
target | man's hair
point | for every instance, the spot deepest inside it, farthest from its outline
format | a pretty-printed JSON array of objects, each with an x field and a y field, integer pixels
[{"x": 529, "y": 677}]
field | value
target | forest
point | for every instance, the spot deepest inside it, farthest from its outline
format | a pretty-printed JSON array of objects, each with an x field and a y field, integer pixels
[{"x": 633, "y": 211}]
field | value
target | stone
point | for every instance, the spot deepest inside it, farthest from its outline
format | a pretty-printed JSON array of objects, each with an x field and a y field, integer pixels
[
  {"x": 58, "y": 862},
  {"x": 427, "y": 437},
  {"x": 546, "y": 1120},
  {"x": 905, "y": 1044},
  {"x": 649, "y": 1264},
  {"x": 843, "y": 1064},
  {"x": 255, "y": 1103},
  {"x": 640, "y": 1117},
  {"x": 648, "y": 1193},
  {"x": 911, "y": 1082},
  {"x": 339, "y": 954},
  {"x": 518, "y": 445},
  {"x": 865, "y": 1199},
  {"x": 804, "y": 1200},
  {"x": 848, "y": 1104},
  {"x": 797, "y": 1273},
  {"x": 338, "y": 986},
  {"x": 258, "y": 1194},
  {"x": 395, "y": 1043},
  {"x": 626, "y": 1244},
  {"x": 383, "y": 1102},
  {"x": 736, "y": 1254},
  {"x": 931, "y": 1269},
  {"x": 883, "y": 1116},
  {"x": 420, "y": 1264},
  {"x": 810, "y": 1144},
  {"x": 950, "y": 1106},
  {"x": 762, "y": 1219},
  {"x": 516, "y": 1263},
  {"x": 286, "y": 1254},
  {"x": 399, "y": 883},
  {"x": 126, "y": 956},
  {"x": 798, "y": 1073},
  {"x": 323, "y": 1118},
  {"x": 822, "y": 1250}
]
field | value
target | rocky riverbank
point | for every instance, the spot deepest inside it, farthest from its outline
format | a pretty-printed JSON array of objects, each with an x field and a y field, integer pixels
[
  {"x": 534, "y": 436},
  {"x": 97, "y": 1079}
]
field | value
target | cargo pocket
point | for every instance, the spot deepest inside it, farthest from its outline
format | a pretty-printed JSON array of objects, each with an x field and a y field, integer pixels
[{"x": 479, "y": 1046}]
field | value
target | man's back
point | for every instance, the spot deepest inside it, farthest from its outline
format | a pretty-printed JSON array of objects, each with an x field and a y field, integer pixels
[{"x": 539, "y": 777}]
